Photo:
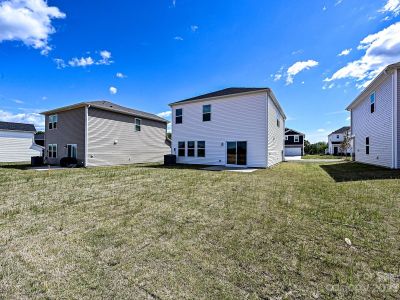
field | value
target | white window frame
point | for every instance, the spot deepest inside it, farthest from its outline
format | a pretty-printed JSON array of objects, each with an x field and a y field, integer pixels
[
  {"x": 181, "y": 115},
  {"x": 184, "y": 149},
  {"x": 191, "y": 148},
  {"x": 296, "y": 138},
  {"x": 200, "y": 148},
  {"x": 136, "y": 124},
  {"x": 206, "y": 113},
  {"x": 286, "y": 137},
  {"x": 53, "y": 152},
  {"x": 53, "y": 120},
  {"x": 372, "y": 102}
]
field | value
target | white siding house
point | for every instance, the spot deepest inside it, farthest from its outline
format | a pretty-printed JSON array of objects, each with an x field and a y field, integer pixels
[
  {"x": 375, "y": 120},
  {"x": 17, "y": 142},
  {"x": 235, "y": 126},
  {"x": 335, "y": 140}
]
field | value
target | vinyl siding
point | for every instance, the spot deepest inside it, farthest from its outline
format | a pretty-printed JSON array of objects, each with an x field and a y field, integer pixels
[
  {"x": 276, "y": 135},
  {"x": 398, "y": 119},
  {"x": 234, "y": 118},
  {"x": 332, "y": 138},
  {"x": 16, "y": 146},
  {"x": 70, "y": 130},
  {"x": 105, "y": 128},
  {"x": 378, "y": 126}
]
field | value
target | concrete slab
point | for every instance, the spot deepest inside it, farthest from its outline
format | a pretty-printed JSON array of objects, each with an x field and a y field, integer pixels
[
  {"x": 229, "y": 169},
  {"x": 46, "y": 168},
  {"x": 290, "y": 158}
]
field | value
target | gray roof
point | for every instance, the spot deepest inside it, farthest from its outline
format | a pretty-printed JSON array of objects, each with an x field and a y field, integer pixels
[
  {"x": 17, "y": 126},
  {"x": 341, "y": 130},
  {"x": 39, "y": 136},
  {"x": 107, "y": 105},
  {"x": 233, "y": 91},
  {"x": 292, "y": 130},
  {"x": 224, "y": 92}
]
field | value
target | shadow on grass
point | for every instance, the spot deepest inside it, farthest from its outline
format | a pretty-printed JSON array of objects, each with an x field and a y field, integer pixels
[
  {"x": 16, "y": 166},
  {"x": 351, "y": 171},
  {"x": 178, "y": 166}
]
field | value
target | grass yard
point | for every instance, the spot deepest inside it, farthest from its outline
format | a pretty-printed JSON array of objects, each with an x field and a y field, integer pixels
[
  {"x": 322, "y": 156},
  {"x": 151, "y": 232}
]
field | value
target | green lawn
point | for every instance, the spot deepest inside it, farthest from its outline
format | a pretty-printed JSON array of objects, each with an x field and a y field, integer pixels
[
  {"x": 165, "y": 233},
  {"x": 321, "y": 156}
]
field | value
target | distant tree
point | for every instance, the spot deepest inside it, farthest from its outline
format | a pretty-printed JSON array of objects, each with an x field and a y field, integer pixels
[
  {"x": 316, "y": 148},
  {"x": 169, "y": 135},
  {"x": 39, "y": 132},
  {"x": 307, "y": 147}
]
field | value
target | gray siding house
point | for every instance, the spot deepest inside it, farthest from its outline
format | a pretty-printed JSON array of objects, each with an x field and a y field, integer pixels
[
  {"x": 101, "y": 133},
  {"x": 375, "y": 120}
]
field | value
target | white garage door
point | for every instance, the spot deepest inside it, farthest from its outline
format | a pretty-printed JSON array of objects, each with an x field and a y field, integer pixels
[{"x": 293, "y": 151}]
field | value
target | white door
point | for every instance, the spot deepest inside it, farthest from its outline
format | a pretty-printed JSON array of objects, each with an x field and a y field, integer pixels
[{"x": 296, "y": 151}]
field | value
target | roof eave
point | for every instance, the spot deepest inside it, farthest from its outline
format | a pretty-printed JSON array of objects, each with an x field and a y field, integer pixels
[{"x": 381, "y": 75}]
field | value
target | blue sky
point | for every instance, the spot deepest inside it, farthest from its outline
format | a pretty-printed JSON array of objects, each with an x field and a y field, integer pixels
[{"x": 315, "y": 54}]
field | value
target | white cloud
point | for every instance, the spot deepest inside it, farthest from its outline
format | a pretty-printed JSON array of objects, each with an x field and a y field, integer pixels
[
  {"x": 120, "y": 75},
  {"x": 392, "y": 6},
  {"x": 324, "y": 8},
  {"x": 113, "y": 90},
  {"x": 297, "y": 52},
  {"x": 321, "y": 130},
  {"x": 381, "y": 49},
  {"x": 28, "y": 21},
  {"x": 81, "y": 62},
  {"x": 164, "y": 114},
  {"x": 328, "y": 86},
  {"x": 26, "y": 117},
  {"x": 173, "y": 3},
  {"x": 297, "y": 68},
  {"x": 194, "y": 28},
  {"x": 18, "y": 101},
  {"x": 338, "y": 2},
  {"x": 105, "y": 58},
  {"x": 348, "y": 118},
  {"x": 345, "y": 52},
  {"x": 178, "y": 38}
]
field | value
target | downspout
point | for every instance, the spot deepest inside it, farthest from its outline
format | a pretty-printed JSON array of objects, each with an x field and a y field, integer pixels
[
  {"x": 86, "y": 134},
  {"x": 395, "y": 108},
  {"x": 266, "y": 131}
]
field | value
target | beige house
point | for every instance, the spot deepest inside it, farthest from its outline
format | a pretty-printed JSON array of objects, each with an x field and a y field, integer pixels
[{"x": 101, "y": 133}]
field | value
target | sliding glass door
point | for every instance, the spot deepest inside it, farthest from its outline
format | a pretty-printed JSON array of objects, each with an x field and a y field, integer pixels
[{"x": 236, "y": 153}]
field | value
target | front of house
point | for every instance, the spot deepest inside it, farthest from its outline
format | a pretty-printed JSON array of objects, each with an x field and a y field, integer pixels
[
  {"x": 231, "y": 127},
  {"x": 101, "y": 133},
  {"x": 294, "y": 143},
  {"x": 335, "y": 141},
  {"x": 375, "y": 116}
]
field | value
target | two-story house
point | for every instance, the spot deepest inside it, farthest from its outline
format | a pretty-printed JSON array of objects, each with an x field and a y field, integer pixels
[
  {"x": 335, "y": 141},
  {"x": 294, "y": 142},
  {"x": 375, "y": 120},
  {"x": 230, "y": 127},
  {"x": 100, "y": 133}
]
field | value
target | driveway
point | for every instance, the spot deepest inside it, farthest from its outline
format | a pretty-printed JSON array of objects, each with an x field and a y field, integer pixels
[{"x": 290, "y": 158}]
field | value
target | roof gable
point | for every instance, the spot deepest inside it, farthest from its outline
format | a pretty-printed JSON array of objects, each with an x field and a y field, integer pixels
[
  {"x": 344, "y": 129},
  {"x": 289, "y": 131}
]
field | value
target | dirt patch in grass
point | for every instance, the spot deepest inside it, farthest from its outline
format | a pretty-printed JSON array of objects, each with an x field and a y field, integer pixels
[{"x": 179, "y": 232}]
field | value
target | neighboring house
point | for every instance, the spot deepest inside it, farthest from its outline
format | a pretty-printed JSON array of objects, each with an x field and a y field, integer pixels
[
  {"x": 101, "y": 133},
  {"x": 39, "y": 139},
  {"x": 375, "y": 120},
  {"x": 294, "y": 142},
  {"x": 230, "y": 127},
  {"x": 17, "y": 143},
  {"x": 335, "y": 140}
]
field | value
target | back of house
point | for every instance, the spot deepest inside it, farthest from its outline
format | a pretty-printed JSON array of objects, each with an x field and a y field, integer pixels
[
  {"x": 101, "y": 133},
  {"x": 230, "y": 127},
  {"x": 375, "y": 120},
  {"x": 336, "y": 140},
  {"x": 17, "y": 142}
]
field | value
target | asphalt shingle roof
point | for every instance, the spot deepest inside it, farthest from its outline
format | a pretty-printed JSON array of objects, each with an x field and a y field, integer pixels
[
  {"x": 224, "y": 92},
  {"x": 341, "y": 130},
  {"x": 17, "y": 126}
]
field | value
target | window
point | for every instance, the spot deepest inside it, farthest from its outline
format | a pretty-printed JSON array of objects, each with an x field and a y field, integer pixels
[
  {"x": 181, "y": 149},
  {"x": 52, "y": 149},
  {"x": 337, "y": 136},
  {"x": 190, "y": 149},
  {"x": 367, "y": 145},
  {"x": 206, "y": 113},
  {"x": 178, "y": 116},
  {"x": 278, "y": 120},
  {"x": 296, "y": 138},
  {"x": 138, "y": 124},
  {"x": 372, "y": 100},
  {"x": 53, "y": 119},
  {"x": 201, "y": 149},
  {"x": 286, "y": 138},
  {"x": 72, "y": 150}
]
